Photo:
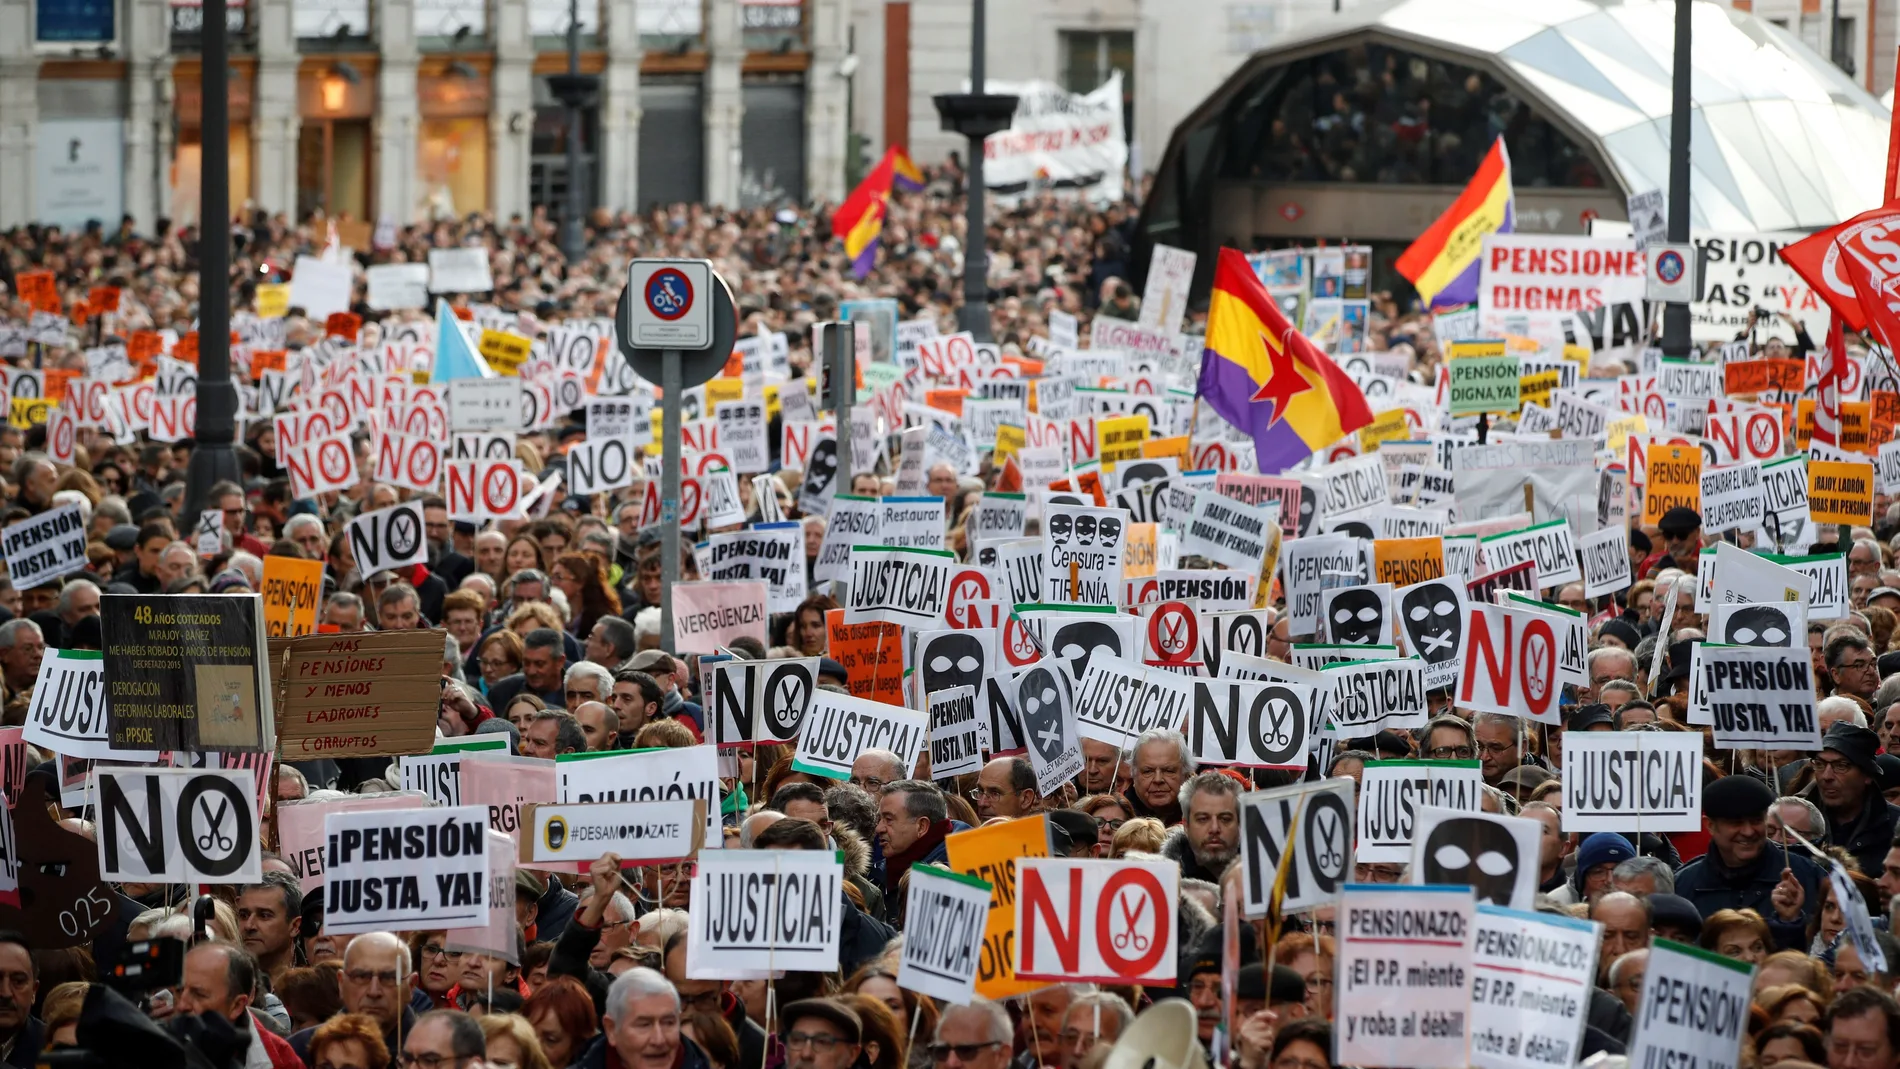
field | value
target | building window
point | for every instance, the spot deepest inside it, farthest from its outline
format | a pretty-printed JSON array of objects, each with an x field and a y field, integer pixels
[
  {"x": 670, "y": 25},
  {"x": 341, "y": 20},
  {"x": 91, "y": 22},
  {"x": 1090, "y": 56}
]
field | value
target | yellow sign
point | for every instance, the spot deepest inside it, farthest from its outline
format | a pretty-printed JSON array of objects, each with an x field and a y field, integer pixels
[
  {"x": 1536, "y": 386},
  {"x": 1269, "y": 564},
  {"x": 1620, "y": 429},
  {"x": 292, "y": 589},
  {"x": 1120, "y": 438},
  {"x": 771, "y": 400},
  {"x": 1674, "y": 479},
  {"x": 1176, "y": 446},
  {"x": 1577, "y": 354},
  {"x": 1387, "y": 426},
  {"x": 29, "y": 412},
  {"x": 721, "y": 389},
  {"x": 273, "y": 300},
  {"x": 504, "y": 352},
  {"x": 1008, "y": 440},
  {"x": 1138, "y": 555},
  {"x": 989, "y": 853},
  {"x": 1839, "y": 491},
  {"x": 1404, "y": 561},
  {"x": 1487, "y": 347}
]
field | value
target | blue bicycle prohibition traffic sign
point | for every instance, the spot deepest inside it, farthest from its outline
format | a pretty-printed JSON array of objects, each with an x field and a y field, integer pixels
[
  {"x": 669, "y": 294},
  {"x": 1669, "y": 266}
]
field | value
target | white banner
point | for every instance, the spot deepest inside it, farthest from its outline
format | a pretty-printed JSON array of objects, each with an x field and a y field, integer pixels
[
  {"x": 45, "y": 547},
  {"x": 910, "y": 587},
  {"x": 1760, "y": 698},
  {"x": 1093, "y": 921},
  {"x": 945, "y": 914},
  {"x": 1628, "y": 781},
  {"x": 1390, "y": 793},
  {"x": 839, "y": 728},
  {"x": 1495, "y": 855},
  {"x": 1532, "y": 976},
  {"x": 1058, "y": 142},
  {"x": 178, "y": 825},
  {"x": 1693, "y": 1009},
  {"x": 638, "y": 832},
  {"x": 1315, "y": 821},
  {"x": 754, "y": 913},
  {"x": 405, "y": 870},
  {"x": 1403, "y": 967},
  {"x": 644, "y": 776}
]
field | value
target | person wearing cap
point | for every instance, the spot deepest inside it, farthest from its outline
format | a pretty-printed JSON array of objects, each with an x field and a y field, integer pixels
[
  {"x": 1200, "y": 985},
  {"x": 820, "y": 1033},
  {"x": 1591, "y": 716},
  {"x": 1745, "y": 870},
  {"x": 1596, "y": 859},
  {"x": 1681, "y": 539},
  {"x": 1847, "y": 788},
  {"x": 1674, "y": 917}
]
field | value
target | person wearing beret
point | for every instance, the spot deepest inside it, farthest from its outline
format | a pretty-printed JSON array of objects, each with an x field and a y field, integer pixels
[
  {"x": 1681, "y": 529},
  {"x": 1847, "y": 788},
  {"x": 1744, "y": 870}
]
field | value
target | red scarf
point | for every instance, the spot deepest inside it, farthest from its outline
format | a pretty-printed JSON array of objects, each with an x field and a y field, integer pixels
[{"x": 896, "y": 865}]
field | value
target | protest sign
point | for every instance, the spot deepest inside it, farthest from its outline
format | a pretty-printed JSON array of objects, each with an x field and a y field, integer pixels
[
  {"x": 1405, "y": 561},
  {"x": 955, "y": 733},
  {"x": 1672, "y": 479},
  {"x": 1227, "y": 532},
  {"x": 1628, "y": 781},
  {"x": 1305, "y": 565},
  {"x": 1391, "y": 791},
  {"x": 201, "y": 656},
  {"x": 497, "y": 936},
  {"x": 1000, "y": 515},
  {"x": 438, "y": 774},
  {"x": 1097, "y": 921},
  {"x": 651, "y": 775},
  {"x": 1082, "y": 553},
  {"x": 1496, "y": 856},
  {"x": 753, "y": 702},
  {"x": 1780, "y": 623},
  {"x": 1532, "y": 983},
  {"x": 364, "y": 694},
  {"x": 1372, "y": 695},
  {"x": 1117, "y": 700},
  {"x": 456, "y": 270},
  {"x": 1511, "y": 661},
  {"x": 598, "y": 465},
  {"x": 872, "y": 654},
  {"x": 405, "y": 870},
  {"x": 1731, "y": 498},
  {"x": 838, "y": 729},
  {"x": 644, "y": 833},
  {"x": 742, "y": 434},
  {"x": 300, "y": 832},
  {"x": 292, "y": 589},
  {"x": 1357, "y": 615},
  {"x": 1694, "y": 1008},
  {"x": 771, "y": 553},
  {"x": 910, "y": 587},
  {"x": 1484, "y": 384},
  {"x": 1312, "y": 820},
  {"x": 389, "y": 538},
  {"x": 1760, "y": 697},
  {"x": 1549, "y": 546},
  {"x": 911, "y": 522},
  {"x": 1250, "y": 723},
  {"x": 1432, "y": 617},
  {"x": 1606, "y": 561},
  {"x": 755, "y": 912},
  {"x": 945, "y": 914},
  {"x": 67, "y": 714},
  {"x": 1039, "y": 695},
  {"x": 1841, "y": 492},
  {"x": 504, "y": 783},
  {"x": 43, "y": 548},
  {"x": 178, "y": 825},
  {"x": 852, "y": 521},
  {"x": 1403, "y": 992},
  {"x": 991, "y": 853},
  {"x": 708, "y": 615},
  {"x": 1860, "y": 927}
]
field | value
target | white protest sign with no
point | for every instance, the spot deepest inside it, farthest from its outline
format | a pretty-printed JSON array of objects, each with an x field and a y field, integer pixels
[
  {"x": 1093, "y": 921},
  {"x": 1315, "y": 821},
  {"x": 178, "y": 825},
  {"x": 389, "y": 538}
]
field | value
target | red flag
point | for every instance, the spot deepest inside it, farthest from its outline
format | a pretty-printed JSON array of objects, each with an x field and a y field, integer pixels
[
  {"x": 1875, "y": 295},
  {"x": 1869, "y": 236},
  {"x": 1830, "y": 368}
]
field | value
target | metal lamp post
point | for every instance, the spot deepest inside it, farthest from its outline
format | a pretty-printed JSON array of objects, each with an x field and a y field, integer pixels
[
  {"x": 213, "y": 459},
  {"x": 575, "y": 91},
  {"x": 976, "y": 115},
  {"x": 1675, "y": 337}
]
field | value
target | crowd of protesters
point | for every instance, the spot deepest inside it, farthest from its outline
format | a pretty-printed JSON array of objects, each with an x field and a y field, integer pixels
[{"x": 553, "y": 641}]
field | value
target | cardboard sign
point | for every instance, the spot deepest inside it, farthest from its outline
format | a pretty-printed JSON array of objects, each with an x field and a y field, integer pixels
[
  {"x": 360, "y": 695},
  {"x": 1672, "y": 479},
  {"x": 1760, "y": 697},
  {"x": 1549, "y": 545},
  {"x": 839, "y": 728},
  {"x": 201, "y": 655},
  {"x": 945, "y": 914},
  {"x": 1314, "y": 821},
  {"x": 644, "y": 833},
  {"x": 1397, "y": 948},
  {"x": 1496, "y": 856},
  {"x": 389, "y": 538},
  {"x": 1097, "y": 921},
  {"x": 437, "y": 775},
  {"x": 673, "y": 774},
  {"x": 754, "y": 912},
  {"x": 1838, "y": 492},
  {"x": 992, "y": 854},
  {"x": 178, "y": 825},
  {"x": 708, "y": 615},
  {"x": 1626, "y": 781},
  {"x": 909, "y": 587},
  {"x": 1693, "y": 1009},
  {"x": 1532, "y": 981},
  {"x": 405, "y": 870},
  {"x": 292, "y": 590},
  {"x": 1606, "y": 561},
  {"x": 1390, "y": 793},
  {"x": 46, "y": 547},
  {"x": 955, "y": 733}
]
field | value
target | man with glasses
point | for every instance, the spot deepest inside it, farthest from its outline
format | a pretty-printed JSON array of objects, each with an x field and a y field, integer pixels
[
  {"x": 376, "y": 980},
  {"x": 1448, "y": 738},
  {"x": 713, "y": 996},
  {"x": 973, "y": 1036},
  {"x": 1863, "y": 1030},
  {"x": 1851, "y": 663},
  {"x": 820, "y": 1033},
  {"x": 1106, "y": 768},
  {"x": 1797, "y": 815},
  {"x": 1006, "y": 787},
  {"x": 1863, "y": 558},
  {"x": 875, "y": 769},
  {"x": 1093, "y": 1019},
  {"x": 444, "y": 1039},
  {"x": 1846, "y": 788},
  {"x": 1502, "y": 743},
  {"x": 642, "y": 1025},
  {"x": 1607, "y": 664},
  {"x": 228, "y": 497}
]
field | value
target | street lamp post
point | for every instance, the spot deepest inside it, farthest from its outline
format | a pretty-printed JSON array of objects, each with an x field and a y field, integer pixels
[
  {"x": 212, "y": 458},
  {"x": 976, "y": 115},
  {"x": 1675, "y": 338},
  {"x": 574, "y": 90}
]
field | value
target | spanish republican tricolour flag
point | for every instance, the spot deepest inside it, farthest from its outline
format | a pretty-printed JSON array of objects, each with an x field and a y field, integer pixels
[
  {"x": 860, "y": 219},
  {"x": 1268, "y": 379},
  {"x": 1443, "y": 263}
]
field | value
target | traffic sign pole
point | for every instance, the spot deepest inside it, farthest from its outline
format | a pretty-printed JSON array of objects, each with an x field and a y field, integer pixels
[
  {"x": 841, "y": 367},
  {"x": 671, "y": 389}
]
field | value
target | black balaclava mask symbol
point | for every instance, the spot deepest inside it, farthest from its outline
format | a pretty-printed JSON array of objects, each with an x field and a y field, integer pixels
[
  {"x": 1356, "y": 618},
  {"x": 1756, "y": 625},
  {"x": 824, "y": 466},
  {"x": 1076, "y": 643},
  {"x": 1469, "y": 850},
  {"x": 1060, "y": 524},
  {"x": 1039, "y": 702},
  {"x": 954, "y": 660},
  {"x": 1309, "y": 506},
  {"x": 1432, "y": 627}
]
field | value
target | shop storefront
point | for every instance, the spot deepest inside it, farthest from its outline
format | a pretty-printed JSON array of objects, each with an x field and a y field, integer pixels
[
  {"x": 79, "y": 163},
  {"x": 336, "y": 97},
  {"x": 187, "y": 170},
  {"x": 452, "y": 152}
]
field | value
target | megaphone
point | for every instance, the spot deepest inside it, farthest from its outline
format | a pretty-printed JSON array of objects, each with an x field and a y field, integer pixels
[{"x": 1163, "y": 1037}]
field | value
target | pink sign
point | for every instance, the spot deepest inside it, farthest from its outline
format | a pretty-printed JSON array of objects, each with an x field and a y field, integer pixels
[
  {"x": 497, "y": 938},
  {"x": 707, "y": 616},
  {"x": 300, "y": 828},
  {"x": 503, "y": 783}
]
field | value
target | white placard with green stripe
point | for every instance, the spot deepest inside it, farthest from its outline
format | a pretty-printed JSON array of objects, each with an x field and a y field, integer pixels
[
  {"x": 438, "y": 773},
  {"x": 1693, "y": 1009},
  {"x": 944, "y": 918}
]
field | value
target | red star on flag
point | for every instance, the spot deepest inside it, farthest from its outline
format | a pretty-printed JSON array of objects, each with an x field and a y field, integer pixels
[{"x": 1283, "y": 383}]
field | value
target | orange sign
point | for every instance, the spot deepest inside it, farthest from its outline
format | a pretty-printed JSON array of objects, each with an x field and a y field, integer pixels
[
  {"x": 1841, "y": 491},
  {"x": 872, "y": 655},
  {"x": 1757, "y": 376},
  {"x": 103, "y": 298},
  {"x": 37, "y": 290},
  {"x": 263, "y": 360},
  {"x": 1674, "y": 479},
  {"x": 343, "y": 325},
  {"x": 1404, "y": 561}
]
